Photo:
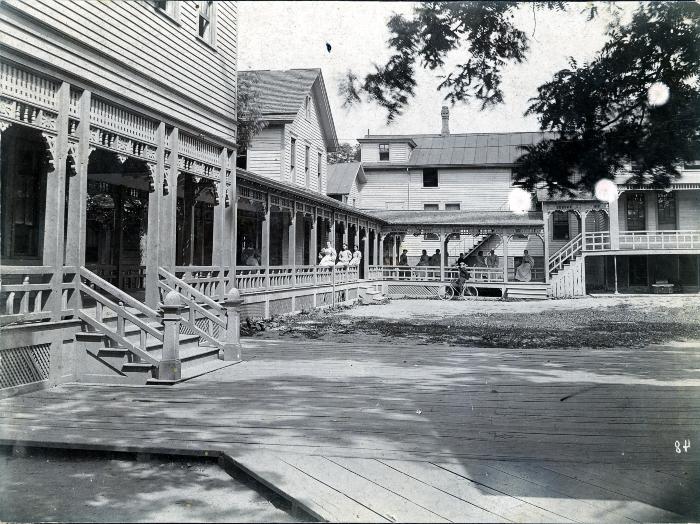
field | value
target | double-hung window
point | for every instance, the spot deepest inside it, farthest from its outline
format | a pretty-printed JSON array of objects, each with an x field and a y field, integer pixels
[
  {"x": 207, "y": 21},
  {"x": 560, "y": 226},
  {"x": 307, "y": 179},
  {"x": 383, "y": 152},
  {"x": 319, "y": 167},
  {"x": 636, "y": 212},
  {"x": 292, "y": 159}
]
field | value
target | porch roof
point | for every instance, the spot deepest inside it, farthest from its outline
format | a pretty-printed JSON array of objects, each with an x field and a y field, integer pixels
[
  {"x": 307, "y": 194},
  {"x": 459, "y": 218},
  {"x": 341, "y": 176}
]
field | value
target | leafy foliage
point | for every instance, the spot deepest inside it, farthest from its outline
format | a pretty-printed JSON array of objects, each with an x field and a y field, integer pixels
[
  {"x": 346, "y": 153},
  {"x": 483, "y": 31},
  {"x": 249, "y": 112},
  {"x": 602, "y": 114}
]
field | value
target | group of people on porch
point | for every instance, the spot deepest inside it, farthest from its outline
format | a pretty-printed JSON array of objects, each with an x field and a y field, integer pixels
[{"x": 344, "y": 258}]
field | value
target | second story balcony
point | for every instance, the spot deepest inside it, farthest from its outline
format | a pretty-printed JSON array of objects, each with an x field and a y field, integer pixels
[{"x": 649, "y": 241}]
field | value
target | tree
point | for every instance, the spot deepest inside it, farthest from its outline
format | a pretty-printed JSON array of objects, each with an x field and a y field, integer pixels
[
  {"x": 599, "y": 111},
  {"x": 635, "y": 106},
  {"x": 249, "y": 113},
  {"x": 346, "y": 153}
]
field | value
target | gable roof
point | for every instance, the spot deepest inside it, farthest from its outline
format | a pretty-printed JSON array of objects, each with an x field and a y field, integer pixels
[
  {"x": 282, "y": 93},
  {"x": 341, "y": 176},
  {"x": 462, "y": 149}
]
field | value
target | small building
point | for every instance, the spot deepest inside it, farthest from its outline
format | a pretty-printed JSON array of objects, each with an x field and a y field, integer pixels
[{"x": 345, "y": 180}]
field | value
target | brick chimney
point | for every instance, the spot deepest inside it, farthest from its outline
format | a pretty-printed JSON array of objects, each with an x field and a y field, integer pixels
[{"x": 445, "y": 113}]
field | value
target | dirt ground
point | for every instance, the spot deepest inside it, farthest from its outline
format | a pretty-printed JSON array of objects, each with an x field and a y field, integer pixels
[
  {"x": 596, "y": 322},
  {"x": 87, "y": 487}
]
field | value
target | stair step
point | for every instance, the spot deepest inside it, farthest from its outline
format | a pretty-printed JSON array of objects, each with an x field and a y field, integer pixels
[{"x": 194, "y": 371}]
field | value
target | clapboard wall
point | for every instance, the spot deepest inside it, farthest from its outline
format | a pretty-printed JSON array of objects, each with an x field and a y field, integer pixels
[{"x": 133, "y": 53}]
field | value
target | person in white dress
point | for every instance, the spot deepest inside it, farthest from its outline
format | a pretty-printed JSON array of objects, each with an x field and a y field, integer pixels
[
  {"x": 344, "y": 257},
  {"x": 356, "y": 257},
  {"x": 327, "y": 255}
]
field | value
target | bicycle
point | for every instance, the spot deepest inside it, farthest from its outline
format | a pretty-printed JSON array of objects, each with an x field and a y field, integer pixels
[{"x": 448, "y": 291}]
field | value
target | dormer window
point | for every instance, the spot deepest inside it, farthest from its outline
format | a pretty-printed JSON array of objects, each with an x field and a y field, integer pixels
[{"x": 383, "y": 152}]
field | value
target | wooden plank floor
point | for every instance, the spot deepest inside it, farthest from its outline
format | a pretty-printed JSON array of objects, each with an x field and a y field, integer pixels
[{"x": 416, "y": 432}]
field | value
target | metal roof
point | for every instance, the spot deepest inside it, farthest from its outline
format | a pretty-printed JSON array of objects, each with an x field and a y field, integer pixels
[
  {"x": 458, "y": 218},
  {"x": 341, "y": 176}
]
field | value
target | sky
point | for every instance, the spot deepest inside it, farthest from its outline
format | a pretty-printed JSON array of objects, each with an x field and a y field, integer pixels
[{"x": 287, "y": 35}]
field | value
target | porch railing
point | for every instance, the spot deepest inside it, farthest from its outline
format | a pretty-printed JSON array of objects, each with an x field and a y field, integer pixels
[
  {"x": 201, "y": 315},
  {"x": 124, "y": 276},
  {"x": 432, "y": 273},
  {"x": 211, "y": 281},
  {"x": 250, "y": 279},
  {"x": 112, "y": 303},
  {"x": 34, "y": 293},
  {"x": 597, "y": 241},
  {"x": 565, "y": 254},
  {"x": 670, "y": 239}
]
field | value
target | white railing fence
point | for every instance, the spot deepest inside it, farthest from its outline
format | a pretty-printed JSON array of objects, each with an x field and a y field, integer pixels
[{"x": 670, "y": 239}]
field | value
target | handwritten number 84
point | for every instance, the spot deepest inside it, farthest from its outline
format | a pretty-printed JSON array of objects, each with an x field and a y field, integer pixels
[{"x": 686, "y": 446}]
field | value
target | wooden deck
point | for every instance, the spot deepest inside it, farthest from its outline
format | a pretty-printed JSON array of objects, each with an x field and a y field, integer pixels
[{"x": 418, "y": 433}]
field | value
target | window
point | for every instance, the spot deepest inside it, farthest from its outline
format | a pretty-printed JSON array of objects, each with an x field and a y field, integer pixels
[
  {"x": 169, "y": 8},
  {"x": 306, "y": 166},
  {"x": 383, "y": 152},
  {"x": 354, "y": 202},
  {"x": 319, "y": 167},
  {"x": 430, "y": 177},
  {"x": 292, "y": 158},
  {"x": 666, "y": 206},
  {"x": 207, "y": 21},
  {"x": 452, "y": 207},
  {"x": 636, "y": 212},
  {"x": 560, "y": 226},
  {"x": 307, "y": 107},
  {"x": 431, "y": 207}
]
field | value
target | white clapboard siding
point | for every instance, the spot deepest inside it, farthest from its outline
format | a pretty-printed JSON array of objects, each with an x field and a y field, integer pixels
[
  {"x": 130, "y": 50},
  {"x": 473, "y": 189},
  {"x": 354, "y": 195},
  {"x": 307, "y": 132},
  {"x": 264, "y": 152},
  {"x": 384, "y": 189},
  {"x": 369, "y": 153}
]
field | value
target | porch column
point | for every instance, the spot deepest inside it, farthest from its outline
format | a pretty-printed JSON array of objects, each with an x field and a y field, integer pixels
[
  {"x": 292, "y": 239},
  {"x": 346, "y": 240},
  {"x": 356, "y": 239},
  {"x": 614, "y": 224},
  {"x": 168, "y": 207},
  {"x": 380, "y": 251},
  {"x": 365, "y": 261},
  {"x": 313, "y": 242},
  {"x": 393, "y": 250},
  {"x": 584, "y": 214},
  {"x": 265, "y": 254},
  {"x": 77, "y": 196},
  {"x": 505, "y": 239},
  {"x": 55, "y": 201},
  {"x": 443, "y": 238},
  {"x": 375, "y": 259},
  {"x": 153, "y": 232},
  {"x": 331, "y": 234},
  {"x": 546, "y": 217}
]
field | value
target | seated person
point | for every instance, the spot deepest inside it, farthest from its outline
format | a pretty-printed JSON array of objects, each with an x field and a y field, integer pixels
[
  {"x": 356, "y": 257},
  {"x": 344, "y": 257},
  {"x": 424, "y": 259}
]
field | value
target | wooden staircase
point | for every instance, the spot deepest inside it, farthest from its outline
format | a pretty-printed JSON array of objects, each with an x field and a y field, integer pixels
[
  {"x": 566, "y": 270},
  {"x": 369, "y": 294},
  {"x": 123, "y": 340}
]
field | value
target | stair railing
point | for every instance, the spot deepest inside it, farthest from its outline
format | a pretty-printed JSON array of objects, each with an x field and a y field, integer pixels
[
  {"x": 198, "y": 307},
  {"x": 570, "y": 250},
  {"x": 98, "y": 289}
]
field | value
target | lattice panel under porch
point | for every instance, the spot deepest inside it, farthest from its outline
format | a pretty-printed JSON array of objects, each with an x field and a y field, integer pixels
[
  {"x": 324, "y": 299},
  {"x": 352, "y": 294},
  {"x": 305, "y": 302},
  {"x": 281, "y": 306},
  {"x": 253, "y": 310},
  {"x": 412, "y": 290},
  {"x": 24, "y": 365}
]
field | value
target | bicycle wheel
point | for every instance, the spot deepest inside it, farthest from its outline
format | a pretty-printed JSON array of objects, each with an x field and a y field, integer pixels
[
  {"x": 445, "y": 292},
  {"x": 471, "y": 291}
]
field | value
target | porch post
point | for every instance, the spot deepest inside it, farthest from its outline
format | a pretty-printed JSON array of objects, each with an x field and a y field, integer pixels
[
  {"x": 55, "y": 201},
  {"x": 546, "y": 247},
  {"x": 376, "y": 260},
  {"x": 220, "y": 240},
  {"x": 170, "y": 366},
  {"x": 584, "y": 214},
  {"x": 154, "y": 224},
  {"x": 505, "y": 239},
  {"x": 615, "y": 265},
  {"x": 292, "y": 238},
  {"x": 380, "y": 250},
  {"x": 313, "y": 241},
  {"x": 345, "y": 230},
  {"x": 168, "y": 209},
  {"x": 265, "y": 255},
  {"x": 233, "y": 220},
  {"x": 77, "y": 197},
  {"x": 365, "y": 262},
  {"x": 332, "y": 232},
  {"x": 443, "y": 238},
  {"x": 614, "y": 224}
]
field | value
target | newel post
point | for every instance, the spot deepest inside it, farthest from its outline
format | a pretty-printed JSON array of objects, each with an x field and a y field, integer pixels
[
  {"x": 170, "y": 366},
  {"x": 232, "y": 338}
]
